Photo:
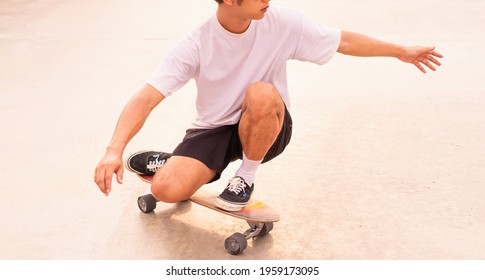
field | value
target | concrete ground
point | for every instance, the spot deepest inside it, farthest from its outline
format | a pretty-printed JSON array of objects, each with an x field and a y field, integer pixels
[{"x": 385, "y": 162}]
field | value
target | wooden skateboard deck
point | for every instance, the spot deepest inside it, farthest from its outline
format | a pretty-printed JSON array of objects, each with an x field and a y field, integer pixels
[{"x": 255, "y": 211}]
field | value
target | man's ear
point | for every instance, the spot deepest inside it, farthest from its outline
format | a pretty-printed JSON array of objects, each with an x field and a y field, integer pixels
[{"x": 229, "y": 2}]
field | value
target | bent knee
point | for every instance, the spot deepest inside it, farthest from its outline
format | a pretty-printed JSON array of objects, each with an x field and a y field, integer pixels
[
  {"x": 169, "y": 192},
  {"x": 262, "y": 90},
  {"x": 263, "y": 98}
]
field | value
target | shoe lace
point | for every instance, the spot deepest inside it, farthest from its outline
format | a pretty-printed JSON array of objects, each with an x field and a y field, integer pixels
[
  {"x": 236, "y": 185},
  {"x": 155, "y": 165}
]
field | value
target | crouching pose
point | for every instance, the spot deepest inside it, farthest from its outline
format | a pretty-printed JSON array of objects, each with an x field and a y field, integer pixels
[{"x": 238, "y": 60}]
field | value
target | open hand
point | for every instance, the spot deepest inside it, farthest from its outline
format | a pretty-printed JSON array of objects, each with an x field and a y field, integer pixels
[
  {"x": 103, "y": 175},
  {"x": 421, "y": 57}
]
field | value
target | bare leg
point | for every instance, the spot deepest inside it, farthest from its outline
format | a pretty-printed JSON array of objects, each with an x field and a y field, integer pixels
[
  {"x": 262, "y": 117},
  {"x": 179, "y": 178},
  {"x": 263, "y": 113}
]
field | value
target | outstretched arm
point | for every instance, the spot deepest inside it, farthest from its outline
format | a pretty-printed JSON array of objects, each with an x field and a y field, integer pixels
[{"x": 361, "y": 45}]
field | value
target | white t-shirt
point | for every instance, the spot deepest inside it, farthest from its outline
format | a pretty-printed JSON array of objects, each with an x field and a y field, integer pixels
[{"x": 224, "y": 64}]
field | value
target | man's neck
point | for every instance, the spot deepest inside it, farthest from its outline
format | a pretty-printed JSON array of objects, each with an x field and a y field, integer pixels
[{"x": 232, "y": 22}]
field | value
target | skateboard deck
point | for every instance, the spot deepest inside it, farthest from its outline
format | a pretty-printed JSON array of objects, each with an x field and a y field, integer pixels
[
  {"x": 255, "y": 211},
  {"x": 257, "y": 214}
]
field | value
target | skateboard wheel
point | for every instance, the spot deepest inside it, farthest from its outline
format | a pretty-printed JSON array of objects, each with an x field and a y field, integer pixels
[
  {"x": 147, "y": 203},
  {"x": 266, "y": 229},
  {"x": 236, "y": 243}
]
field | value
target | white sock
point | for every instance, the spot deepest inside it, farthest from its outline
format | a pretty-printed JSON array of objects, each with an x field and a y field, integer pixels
[{"x": 248, "y": 169}]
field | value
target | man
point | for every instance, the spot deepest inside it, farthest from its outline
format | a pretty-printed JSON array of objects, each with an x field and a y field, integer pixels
[{"x": 238, "y": 61}]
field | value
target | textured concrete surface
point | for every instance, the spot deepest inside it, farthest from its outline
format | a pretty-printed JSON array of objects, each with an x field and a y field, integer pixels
[{"x": 385, "y": 163}]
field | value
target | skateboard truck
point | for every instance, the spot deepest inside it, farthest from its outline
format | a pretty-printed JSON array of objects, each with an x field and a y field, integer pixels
[{"x": 254, "y": 231}]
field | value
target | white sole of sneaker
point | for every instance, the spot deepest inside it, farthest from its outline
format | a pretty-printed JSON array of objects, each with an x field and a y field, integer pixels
[{"x": 228, "y": 206}]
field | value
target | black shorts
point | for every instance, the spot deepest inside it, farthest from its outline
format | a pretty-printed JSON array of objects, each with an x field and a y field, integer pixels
[{"x": 218, "y": 147}]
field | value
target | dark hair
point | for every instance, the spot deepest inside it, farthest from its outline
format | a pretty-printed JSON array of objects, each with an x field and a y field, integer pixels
[{"x": 220, "y": 1}]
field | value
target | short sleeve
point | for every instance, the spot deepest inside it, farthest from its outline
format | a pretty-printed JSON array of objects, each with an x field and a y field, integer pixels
[
  {"x": 317, "y": 43},
  {"x": 178, "y": 67}
]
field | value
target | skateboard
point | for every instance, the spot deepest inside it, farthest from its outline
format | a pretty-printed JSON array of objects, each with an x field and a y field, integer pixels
[{"x": 259, "y": 216}]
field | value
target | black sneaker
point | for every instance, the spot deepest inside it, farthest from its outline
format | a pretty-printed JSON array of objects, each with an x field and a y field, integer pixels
[
  {"x": 235, "y": 196},
  {"x": 146, "y": 162}
]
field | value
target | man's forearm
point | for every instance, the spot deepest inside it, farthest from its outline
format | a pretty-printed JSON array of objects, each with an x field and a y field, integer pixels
[{"x": 356, "y": 44}]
